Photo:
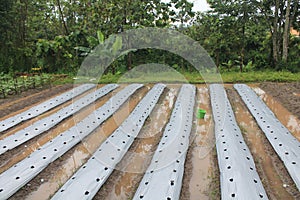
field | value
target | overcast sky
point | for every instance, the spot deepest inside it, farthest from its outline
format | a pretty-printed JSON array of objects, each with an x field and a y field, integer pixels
[{"x": 200, "y": 5}]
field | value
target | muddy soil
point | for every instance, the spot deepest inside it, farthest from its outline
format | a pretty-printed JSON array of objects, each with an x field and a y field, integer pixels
[
  {"x": 275, "y": 178},
  {"x": 288, "y": 119},
  {"x": 30, "y": 97},
  {"x": 124, "y": 181},
  {"x": 17, "y": 154},
  {"x": 287, "y": 93},
  {"x": 44, "y": 185},
  {"x": 200, "y": 170},
  {"x": 201, "y": 176}
]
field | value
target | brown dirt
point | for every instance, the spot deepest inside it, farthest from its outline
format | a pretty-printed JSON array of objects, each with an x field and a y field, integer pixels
[
  {"x": 290, "y": 121},
  {"x": 29, "y": 122},
  {"x": 17, "y": 154},
  {"x": 188, "y": 168},
  {"x": 28, "y": 98},
  {"x": 124, "y": 181},
  {"x": 50, "y": 171},
  {"x": 287, "y": 93},
  {"x": 199, "y": 171},
  {"x": 270, "y": 168}
]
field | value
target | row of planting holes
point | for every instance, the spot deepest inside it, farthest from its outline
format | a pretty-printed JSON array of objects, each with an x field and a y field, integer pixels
[
  {"x": 172, "y": 182},
  {"x": 32, "y": 167},
  {"x": 62, "y": 98},
  {"x": 148, "y": 108},
  {"x": 109, "y": 110},
  {"x": 237, "y": 135},
  {"x": 29, "y": 114},
  {"x": 268, "y": 126},
  {"x": 106, "y": 168},
  {"x": 45, "y": 124},
  {"x": 55, "y": 150},
  {"x": 97, "y": 179},
  {"x": 160, "y": 89},
  {"x": 133, "y": 130},
  {"x": 44, "y": 158}
]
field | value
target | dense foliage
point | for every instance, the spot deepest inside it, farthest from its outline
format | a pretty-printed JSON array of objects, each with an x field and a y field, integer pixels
[
  {"x": 14, "y": 85},
  {"x": 239, "y": 35}
]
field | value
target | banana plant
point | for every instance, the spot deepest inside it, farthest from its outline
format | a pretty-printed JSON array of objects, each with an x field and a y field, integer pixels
[{"x": 93, "y": 42}]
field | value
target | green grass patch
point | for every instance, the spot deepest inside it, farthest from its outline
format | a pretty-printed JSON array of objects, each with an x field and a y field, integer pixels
[
  {"x": 184, "y": 77},
  {"x": 260, "y": 76}
]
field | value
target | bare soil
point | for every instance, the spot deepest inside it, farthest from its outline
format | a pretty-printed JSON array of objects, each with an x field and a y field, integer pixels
[
  {"x": 27, "y": 192},
  {"x": 287, "y": 93},
  {"x": 125, "y": 179},
  {"x": 17, "y": 154},
  {"x": 201, "y": 174},
  {"x": 275, "y": 177},
  {"x": 28, "y": 98}
]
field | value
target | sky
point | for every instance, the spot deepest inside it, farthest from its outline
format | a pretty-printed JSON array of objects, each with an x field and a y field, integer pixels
[{"x": 200, "y": 5}]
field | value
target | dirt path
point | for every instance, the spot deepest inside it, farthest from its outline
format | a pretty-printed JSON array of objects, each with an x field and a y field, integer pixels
[
  {"x": 198, "y": 182},
  {"x": 275, "y": 178}
]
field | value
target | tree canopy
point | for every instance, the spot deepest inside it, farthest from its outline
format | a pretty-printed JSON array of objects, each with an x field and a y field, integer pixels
[{"x": 57, "y": 34}]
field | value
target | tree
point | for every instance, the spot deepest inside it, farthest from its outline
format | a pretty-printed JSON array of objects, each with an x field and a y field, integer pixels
[
  {"x": 241, "y": 13},
  {"x": 280, "y": 15},
  {"x": 277, "y": 16}
]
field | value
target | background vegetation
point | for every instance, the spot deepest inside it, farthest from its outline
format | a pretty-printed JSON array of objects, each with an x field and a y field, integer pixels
[{"x": 240, "y": 35}]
